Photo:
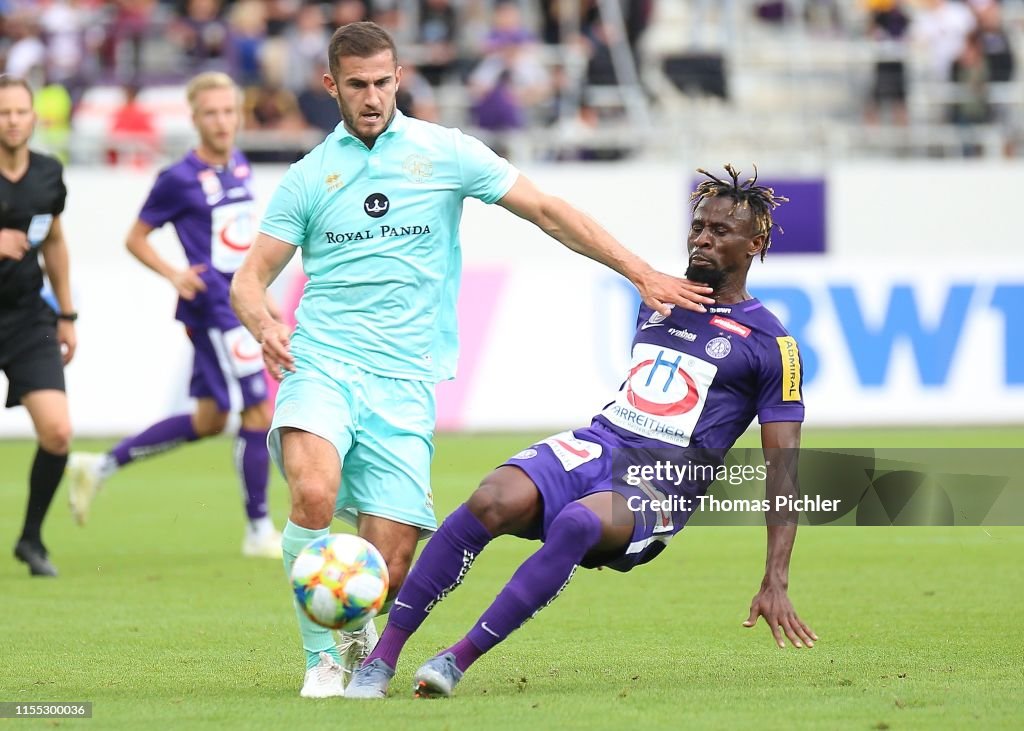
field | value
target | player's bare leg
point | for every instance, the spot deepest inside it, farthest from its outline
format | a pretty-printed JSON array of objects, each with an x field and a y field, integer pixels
[
  {"x": 312, "y": 469},
  {"x": 507, "y": 502},
  {"x": 397, "y": 544},
  {"x": 585, "y": 530}
]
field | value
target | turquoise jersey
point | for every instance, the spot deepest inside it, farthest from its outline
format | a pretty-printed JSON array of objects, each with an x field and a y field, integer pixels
[{"x": 379, "y": 233}]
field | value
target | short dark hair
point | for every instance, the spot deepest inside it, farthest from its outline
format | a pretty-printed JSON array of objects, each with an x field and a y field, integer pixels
[
  {"x": 9, "y": 82},
  {"x": 362, "y": 39},
  {"x": 761, "y": 199}
]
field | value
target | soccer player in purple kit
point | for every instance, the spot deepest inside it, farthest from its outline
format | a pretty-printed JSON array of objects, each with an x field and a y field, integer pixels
[
  {"x": 207, "y": 196},
  {"x": 696, "y": 382}
]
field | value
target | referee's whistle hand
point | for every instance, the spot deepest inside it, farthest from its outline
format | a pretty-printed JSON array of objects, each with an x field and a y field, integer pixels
[{"x": 13, "y": 244}]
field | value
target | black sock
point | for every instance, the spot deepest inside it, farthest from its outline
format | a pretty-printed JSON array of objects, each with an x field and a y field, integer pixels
[{"x": 47, "y": 470}]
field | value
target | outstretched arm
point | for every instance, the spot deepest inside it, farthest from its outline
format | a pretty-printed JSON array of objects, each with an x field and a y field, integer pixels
[
  {"x": 264, "y": 262},
  {"x": 780, "y": 442},
  {"x": 584, "y": 235}
]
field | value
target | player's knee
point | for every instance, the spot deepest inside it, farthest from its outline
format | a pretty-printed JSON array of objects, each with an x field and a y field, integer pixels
[
  {"x": 312, "y": 504},
  {"x": 257, "y": 418},
  {"x": 576, "y": 524},
  {"x": 210, "y": 425},
  {"x": 55, "y": 438},
  {"x": 494, "y": 508}
]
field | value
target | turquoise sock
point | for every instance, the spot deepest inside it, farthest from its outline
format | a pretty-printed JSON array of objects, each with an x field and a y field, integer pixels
[{"x": 315, "y": 639}]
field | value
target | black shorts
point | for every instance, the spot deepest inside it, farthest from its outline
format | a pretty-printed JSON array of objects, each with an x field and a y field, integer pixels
[{"x": 29, "y": 352}]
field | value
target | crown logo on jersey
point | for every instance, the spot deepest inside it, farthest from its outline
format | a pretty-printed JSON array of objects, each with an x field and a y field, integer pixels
[
  {"x": 334, "y": 182},
  {"x": 376, "y": 205}
]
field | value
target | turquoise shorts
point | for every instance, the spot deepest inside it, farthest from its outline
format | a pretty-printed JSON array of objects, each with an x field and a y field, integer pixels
[{"x": 382, "y": 428}]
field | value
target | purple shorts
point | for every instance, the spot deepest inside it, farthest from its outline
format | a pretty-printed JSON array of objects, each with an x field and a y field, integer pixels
[
  {"x": 571, "y": 465},
  {"x": 228, "y": 368}
]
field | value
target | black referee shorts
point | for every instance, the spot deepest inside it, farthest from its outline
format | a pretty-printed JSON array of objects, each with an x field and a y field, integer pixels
[{"x": 29, "y": 352}]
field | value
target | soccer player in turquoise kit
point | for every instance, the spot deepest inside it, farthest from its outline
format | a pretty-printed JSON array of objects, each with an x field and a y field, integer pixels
[{"x": 375, "y": 210}]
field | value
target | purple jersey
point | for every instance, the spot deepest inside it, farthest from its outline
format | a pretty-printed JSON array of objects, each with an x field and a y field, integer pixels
[
  {"x": 214, "y": 215},
  {"x": 695, "y": 383},
  {"x": 697, "y": 380}
]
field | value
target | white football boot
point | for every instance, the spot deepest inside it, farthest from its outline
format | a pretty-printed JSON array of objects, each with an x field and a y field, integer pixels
[
  {"x": 261, "y": 543},
  {"x": 323, "y": 680},
  {"x": 85, "y": 478},
  {"x": 356, "y": 647}
]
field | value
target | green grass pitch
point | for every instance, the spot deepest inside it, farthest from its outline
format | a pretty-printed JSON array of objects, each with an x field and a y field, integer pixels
[{"x": 158, "y": 620}]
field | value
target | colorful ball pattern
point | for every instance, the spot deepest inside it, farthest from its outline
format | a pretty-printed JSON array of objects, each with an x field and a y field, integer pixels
[{"x": 340, "y": 581}]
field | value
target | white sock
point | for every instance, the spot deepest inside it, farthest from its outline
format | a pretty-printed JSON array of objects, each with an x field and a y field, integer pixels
[
  {"x": 261, "y": 526},
  {"x": 107, "y": 466}
]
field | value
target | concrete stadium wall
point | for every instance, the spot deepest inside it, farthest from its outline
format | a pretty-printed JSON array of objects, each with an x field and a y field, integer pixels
[{"x": 916, "y": 315}]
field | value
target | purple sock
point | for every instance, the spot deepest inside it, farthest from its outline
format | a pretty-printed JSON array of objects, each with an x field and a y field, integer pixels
[
  {"x": 441, "y": 567},
  {"x": 252, "y": 461},
  {"x": 160, "y": 437},
  {"x": 535, "y": 584}
]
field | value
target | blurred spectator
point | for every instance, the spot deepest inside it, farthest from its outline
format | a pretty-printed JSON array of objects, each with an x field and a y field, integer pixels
[
  {"x": 995, "y": 43},
  {"x": 970, "y": 72},
  {"x": 511, "y": 77},
  {"x": 53, "y": 114},
  {"x": 388, "y": 14},
  {"x": 270, "y": 106},
  {"x": 437, "y": 36},
  {"x": 306, "y": 43},
  {"x": 319, "y": 109},
  {"x": 133, "y": 134},
  {"x": 63, "y": 23},
  {"x": 941, "y": 28},
  {"x": 203, "y": 36},
  {"x": 120, "y": 50},
  {"x": 26, "y": 57},
  {"x": 347, "y": 11},
  {"x": 247, "y": 32},
  {"x": 416, "y": 96},
  {"x": 280, "y": 14},
  {"x": 888, "y": 24}
]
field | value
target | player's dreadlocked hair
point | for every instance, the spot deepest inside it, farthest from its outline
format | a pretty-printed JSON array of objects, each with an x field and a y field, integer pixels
[{"x": 760, "y": 198}]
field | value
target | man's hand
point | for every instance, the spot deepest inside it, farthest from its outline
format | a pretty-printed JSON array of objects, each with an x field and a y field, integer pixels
[
  {"x": 660, "y": 290},
  {"x": 67, "y": 339},
  {"x": 773, "y": 604},
  {"x": 188, "y": 282},
  {"x": 13, "y": 244},
  {"x": 276, "y": 338}
]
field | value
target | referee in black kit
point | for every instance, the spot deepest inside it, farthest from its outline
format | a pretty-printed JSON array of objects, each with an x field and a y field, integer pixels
[{"x": 35, "y": 342}]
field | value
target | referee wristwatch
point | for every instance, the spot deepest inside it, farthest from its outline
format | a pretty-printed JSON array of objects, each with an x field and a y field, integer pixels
[{"x": 67, "y": 316}]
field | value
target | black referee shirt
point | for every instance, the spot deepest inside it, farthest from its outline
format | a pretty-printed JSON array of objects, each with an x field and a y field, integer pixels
[{"x": 30, "y": 205}]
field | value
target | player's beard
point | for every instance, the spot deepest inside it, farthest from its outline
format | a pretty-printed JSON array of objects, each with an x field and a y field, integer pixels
[{"x": 711, "y": 276}]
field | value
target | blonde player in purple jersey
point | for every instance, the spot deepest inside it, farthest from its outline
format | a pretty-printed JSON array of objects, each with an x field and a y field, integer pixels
[
  {"x": 696, "y": 382},
  {"x": 207, "y": 197}
]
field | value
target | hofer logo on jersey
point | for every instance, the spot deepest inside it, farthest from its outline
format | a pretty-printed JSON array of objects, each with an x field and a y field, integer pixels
[
  {"x": 664, "y": 394},
  {"x": 232, "y": 232}
]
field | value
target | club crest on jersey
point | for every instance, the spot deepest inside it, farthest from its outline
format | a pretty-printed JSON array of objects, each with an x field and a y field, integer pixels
[
  {"x": 718, "y": 347},
  {"x": 418, "y": 168}
]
